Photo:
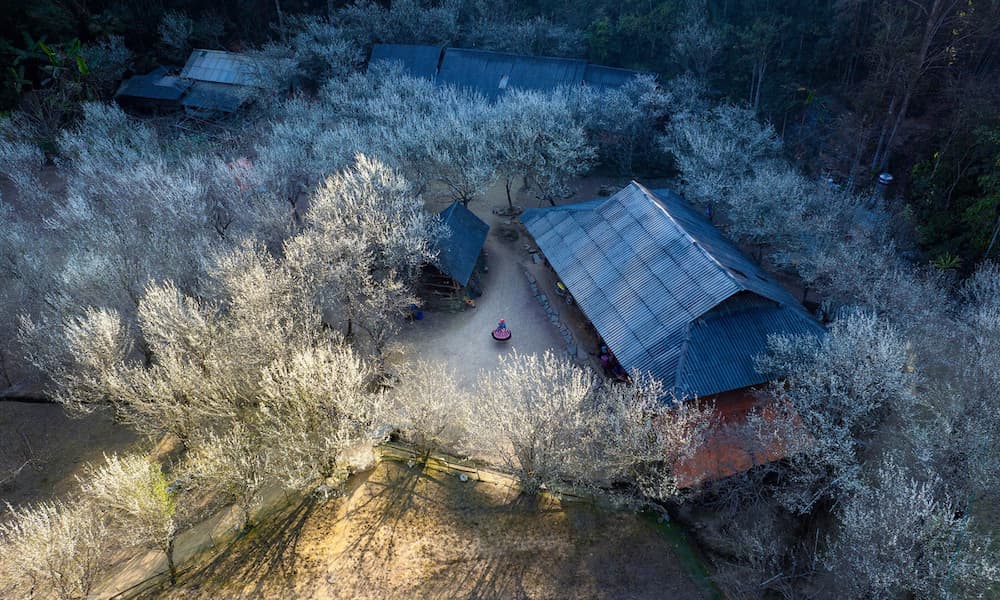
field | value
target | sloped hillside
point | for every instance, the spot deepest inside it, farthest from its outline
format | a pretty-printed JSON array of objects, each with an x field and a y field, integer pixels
[{"x": 406, "y": 532}]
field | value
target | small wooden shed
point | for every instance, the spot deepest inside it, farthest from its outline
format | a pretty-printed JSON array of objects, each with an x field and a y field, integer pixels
[{"x": 451, "y": 280}]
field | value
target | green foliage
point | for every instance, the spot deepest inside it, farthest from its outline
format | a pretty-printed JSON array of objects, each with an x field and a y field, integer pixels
[
  {"x": 53, "y": 15},
  {"x": 160, "y": 492},
  {"x": 633, "y": 34},
  {"x": 599, "y": 39},
  {"x": 956, "y": 197},
  {"x": 947, "y": 262}
]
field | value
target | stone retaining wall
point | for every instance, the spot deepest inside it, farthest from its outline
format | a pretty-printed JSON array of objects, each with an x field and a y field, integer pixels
[{"x": 572, "y": 348}]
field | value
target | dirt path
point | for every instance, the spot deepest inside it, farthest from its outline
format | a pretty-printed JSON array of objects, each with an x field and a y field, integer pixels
[{"x": 462, "y": 339}]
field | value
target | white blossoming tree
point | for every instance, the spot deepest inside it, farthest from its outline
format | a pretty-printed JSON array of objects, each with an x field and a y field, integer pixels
[
  {"x": 549, "y": 421},
  {"x": 899, "y": 536},
  {"x": 132, "y": 494},
  {"x": 52, "y": 549}
]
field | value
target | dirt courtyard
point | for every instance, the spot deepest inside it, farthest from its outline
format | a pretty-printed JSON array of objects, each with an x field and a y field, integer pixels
[
  {"x": 461, "y": 340},
  {"x": 405, "y": 532}
]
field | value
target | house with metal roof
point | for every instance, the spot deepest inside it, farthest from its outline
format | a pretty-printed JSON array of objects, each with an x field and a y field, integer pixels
[
  {"x": 494, "y": 73},
  {"x": 155, "y": 90},
  {"x": 221, "y": 81},
  {"x": 211, "y": 83},
  {"x": 452, "y": 279},
  {"x": 667, "y": 292}
]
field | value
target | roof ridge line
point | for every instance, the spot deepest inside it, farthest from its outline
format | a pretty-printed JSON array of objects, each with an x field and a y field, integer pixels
[
  {"x": 688, "y": 235},
  {"x": 505, "y": 53}
]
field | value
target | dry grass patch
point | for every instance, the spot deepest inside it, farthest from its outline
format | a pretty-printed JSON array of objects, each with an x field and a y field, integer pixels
[{"x": 405, "y": 532}]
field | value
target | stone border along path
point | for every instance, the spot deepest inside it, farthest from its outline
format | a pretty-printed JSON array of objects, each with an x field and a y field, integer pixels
[{"x": 572, "y": 349}]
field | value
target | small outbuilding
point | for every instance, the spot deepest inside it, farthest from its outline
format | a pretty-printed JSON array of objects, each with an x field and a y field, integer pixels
[
  {"x": 221, "y": 82},
  {"x": 155, "y": 91},
  {"x": 212, "y": 83},
  {"x": 454, "y": 278}
]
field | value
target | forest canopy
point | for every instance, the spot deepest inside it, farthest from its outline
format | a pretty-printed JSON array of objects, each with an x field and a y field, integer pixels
[{"x": 851, "y": 86}]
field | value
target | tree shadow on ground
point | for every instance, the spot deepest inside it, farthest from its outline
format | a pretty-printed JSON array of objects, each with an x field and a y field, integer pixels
[
  {"x": 390, "y": 500},
  {"x": 494, "y": 575},
  {"x": 490, "y": 572},
  {"x": 261, "y": 559},
  {"x": 403, "y": 530},
  {"x": 389, "y": 506}
]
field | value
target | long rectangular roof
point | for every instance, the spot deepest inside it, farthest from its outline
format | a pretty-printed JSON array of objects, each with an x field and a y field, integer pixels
[
  {"x": 654, "y": 278},
  {"x": 417, "y": 61},
  {"x": 601, "y": 77},
  {"x": 493, "y": 73}
]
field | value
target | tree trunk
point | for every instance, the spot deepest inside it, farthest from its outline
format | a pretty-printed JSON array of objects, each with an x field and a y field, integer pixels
[
  {"x": 147, "y": 353},
  {"x": 900, "y": 115},
  {"x": 281, "y": 20},
  {"x": 881, "y": 137},
  {"x": 171, "y": 566},
  {"x": 510, "y": 203},
  {"x": 3, "y": 369},
  {"x": 935, "y": 20},
  {"x": 760, "y": 82},
  {"x": 993, "y": 239},
  {"x": 862, "y": 138}
]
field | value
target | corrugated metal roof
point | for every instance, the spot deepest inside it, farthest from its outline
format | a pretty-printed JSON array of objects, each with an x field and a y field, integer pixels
[
  {"x": 645, "y": 267},
  {"x": 601, "y": 77},
  {"x": 747, "y": 273},
  {"x": 417, "y": 61},
  {"x": 216, "y": 66},
  {"x": 214, "y": 97},
  {"x": 460, "y": 251},
  {"x": 156, "y": 85},
  {"x": 493, "y": 73},
  {"x": 711, "y": 367}
]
